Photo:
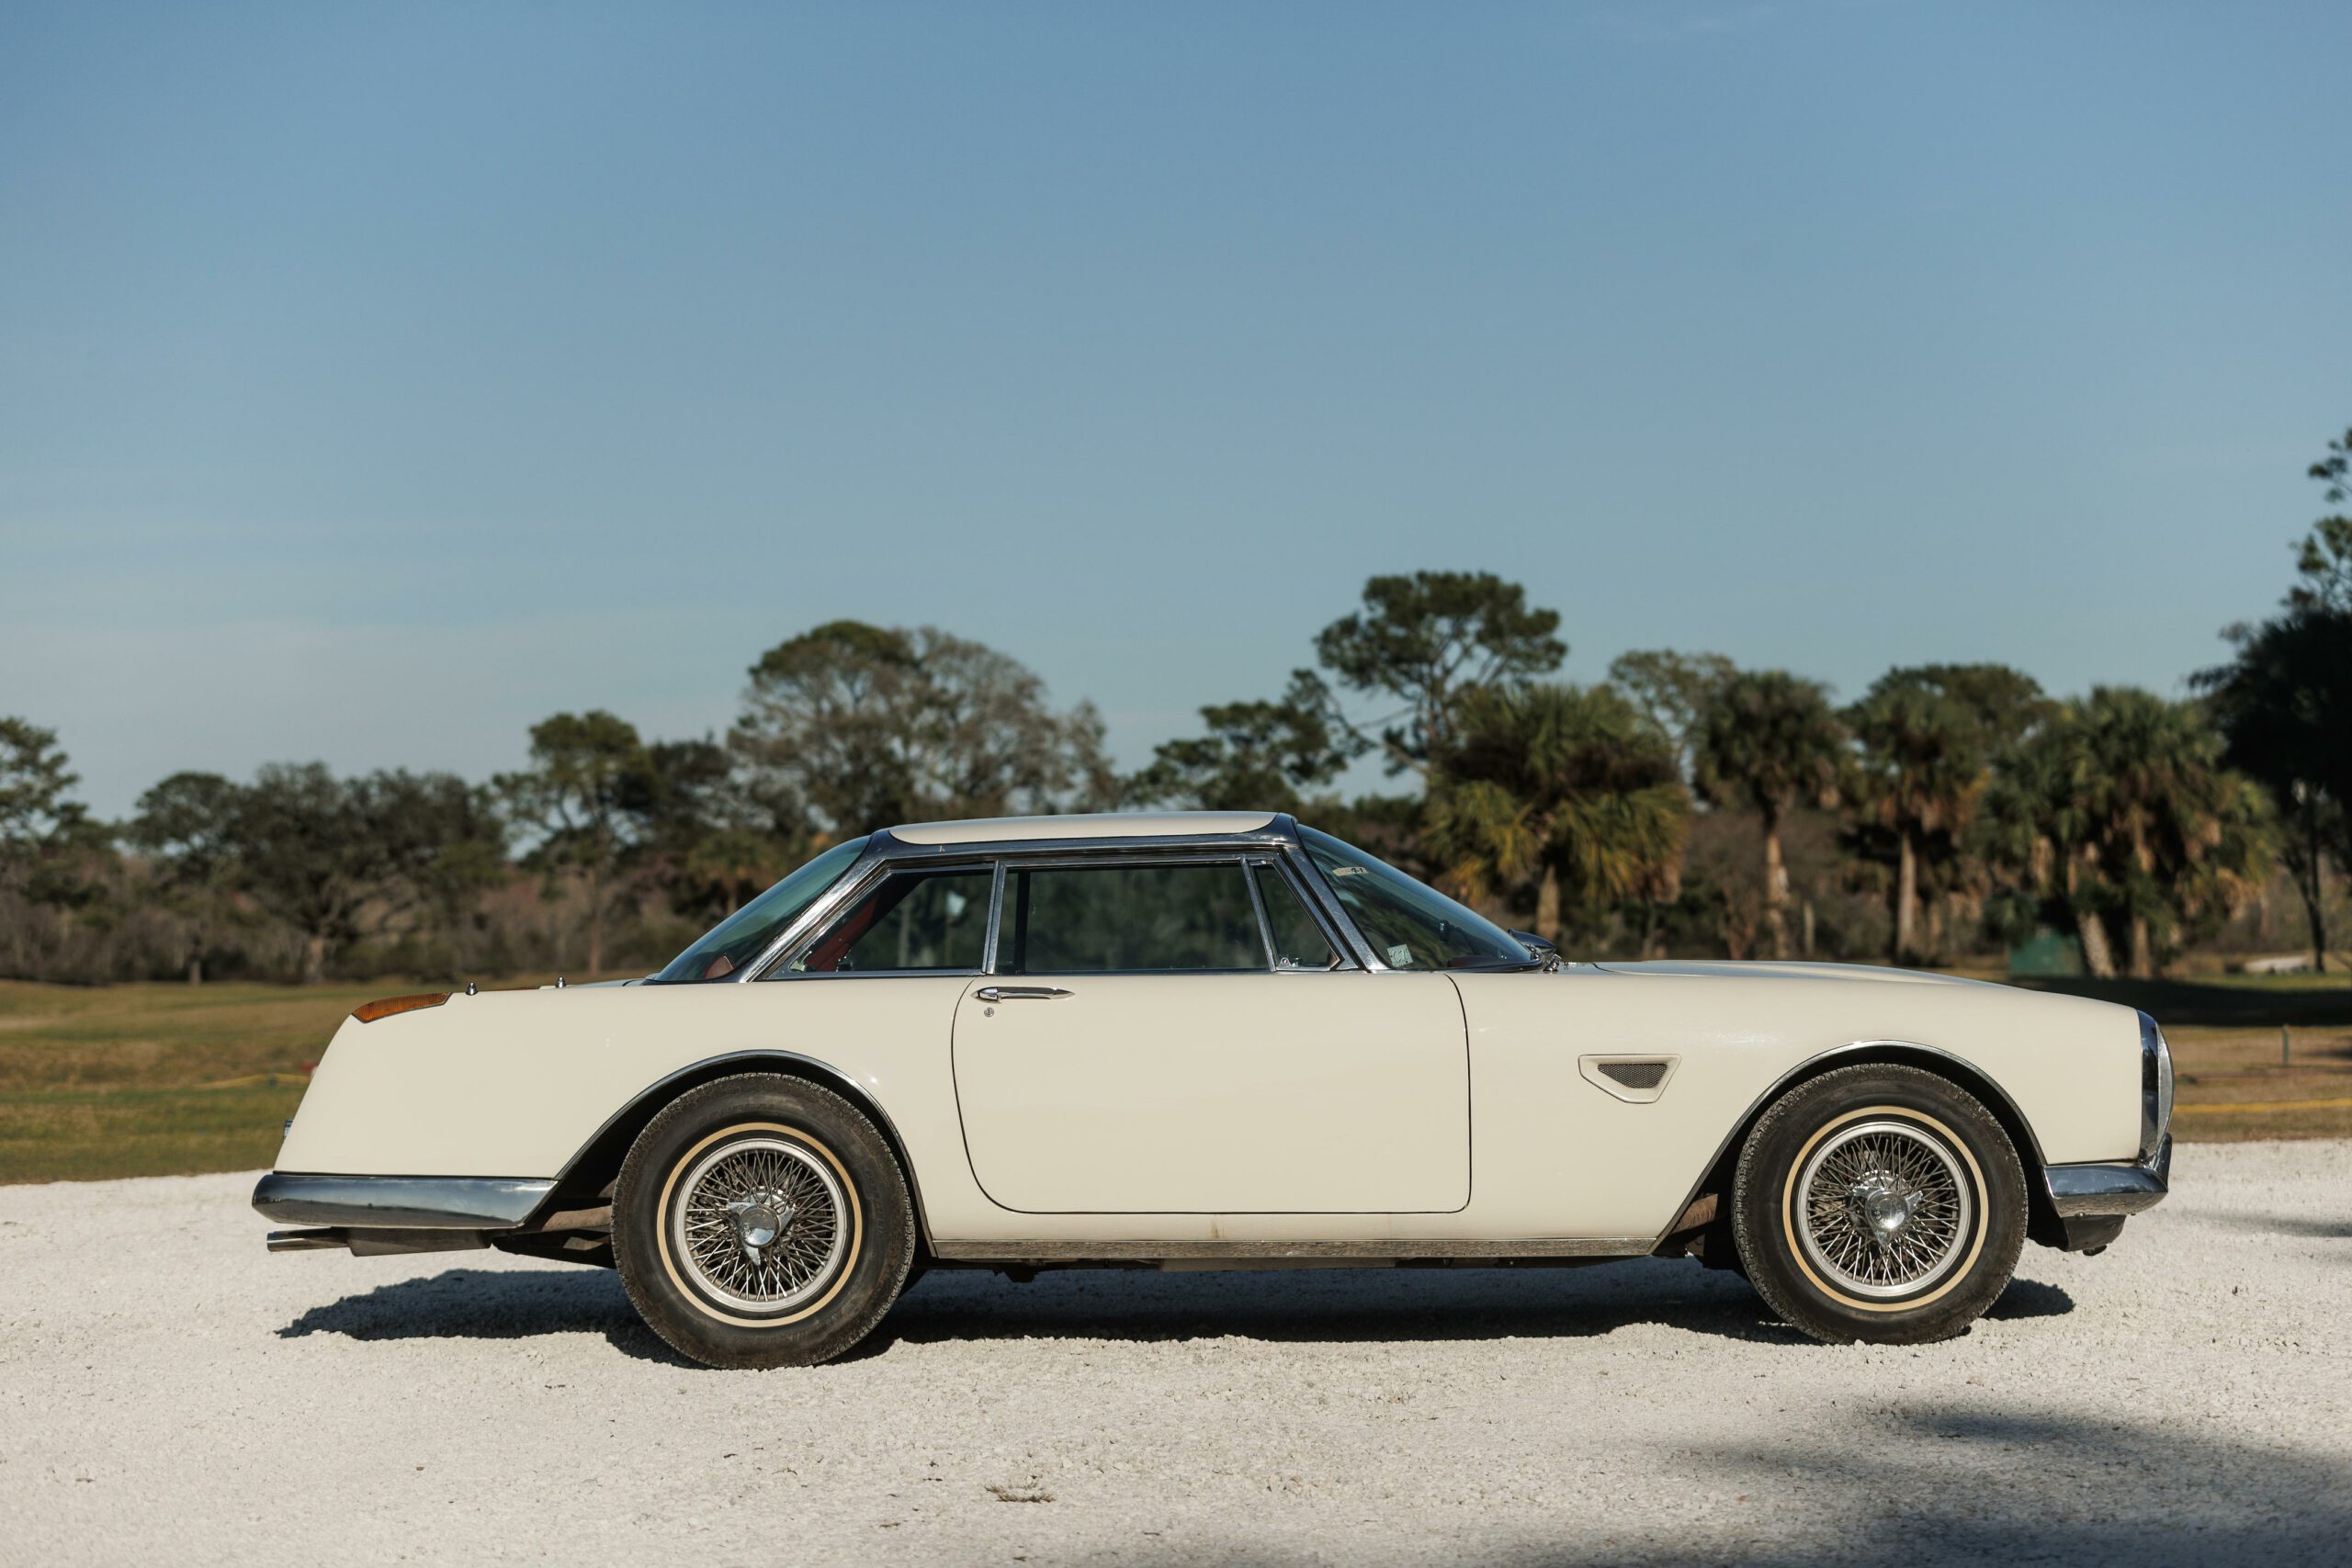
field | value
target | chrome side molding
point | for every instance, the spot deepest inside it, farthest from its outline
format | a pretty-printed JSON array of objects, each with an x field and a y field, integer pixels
[{"x": 1019, "y": 1251}]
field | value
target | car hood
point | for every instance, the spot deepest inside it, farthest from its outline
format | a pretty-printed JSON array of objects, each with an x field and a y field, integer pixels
[{"x": 1759, "y": 969}]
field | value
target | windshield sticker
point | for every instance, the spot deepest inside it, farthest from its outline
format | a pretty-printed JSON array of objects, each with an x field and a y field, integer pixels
[{"x": 1400, "y": 957}]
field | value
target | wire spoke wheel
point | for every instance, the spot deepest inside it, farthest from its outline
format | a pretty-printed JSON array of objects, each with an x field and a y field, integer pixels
[
  {"x": 1884, "y": 1208},
  {"x": 759, "y": 1222}
]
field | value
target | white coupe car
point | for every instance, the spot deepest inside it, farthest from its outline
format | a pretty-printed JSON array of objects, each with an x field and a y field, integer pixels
[{"x": 1212, "y": 1039}]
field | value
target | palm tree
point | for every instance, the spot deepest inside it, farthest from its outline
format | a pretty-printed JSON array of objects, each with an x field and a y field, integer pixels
[
  {"x": 2036, "y": 830},
  {"x": 1769, "y": 742},
  {"x": 1567, "y": 786},
  {"x": 1928, "y": 736},
  {"x": 2179, "y": 831},
  {"x": 2121, "y": 808}
]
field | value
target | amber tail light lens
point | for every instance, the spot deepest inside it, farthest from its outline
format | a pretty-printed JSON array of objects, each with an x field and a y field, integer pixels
[{"x": 368, "y": 1012}]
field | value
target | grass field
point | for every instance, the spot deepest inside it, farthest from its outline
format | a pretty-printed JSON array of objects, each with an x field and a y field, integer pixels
[
  {"x": 157, "y": 1080},
  {"x": 164, "y": 1080}
]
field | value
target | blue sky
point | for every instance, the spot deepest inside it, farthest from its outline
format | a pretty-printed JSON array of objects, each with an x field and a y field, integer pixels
[{"x": 377, "y": 380}]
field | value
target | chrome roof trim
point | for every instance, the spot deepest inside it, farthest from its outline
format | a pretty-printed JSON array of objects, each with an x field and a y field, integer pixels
[
  {"x": 1282, "y": 829},
  {"x": 1080, "y": 824}
]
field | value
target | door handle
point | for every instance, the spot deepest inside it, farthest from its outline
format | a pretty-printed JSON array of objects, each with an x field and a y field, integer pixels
[{"x": 1019, "y": 993}]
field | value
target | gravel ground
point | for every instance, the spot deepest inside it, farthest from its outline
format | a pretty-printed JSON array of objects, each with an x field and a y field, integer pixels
[{"x": 171, "y": 1392}]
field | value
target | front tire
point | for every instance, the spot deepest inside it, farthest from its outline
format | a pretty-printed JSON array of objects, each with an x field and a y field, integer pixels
[
  {"x": 1879, "y": 1203},
  {"x": 761, "y": 1221}
]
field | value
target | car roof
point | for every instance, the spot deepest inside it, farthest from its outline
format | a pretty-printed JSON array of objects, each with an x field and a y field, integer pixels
[{"x": 1095, "y": 825}]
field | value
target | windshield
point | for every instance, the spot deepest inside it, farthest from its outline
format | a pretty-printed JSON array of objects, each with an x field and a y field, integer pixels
[
  {"x": 743, "y": 936},
  {"x": 1409, "y": 924}
]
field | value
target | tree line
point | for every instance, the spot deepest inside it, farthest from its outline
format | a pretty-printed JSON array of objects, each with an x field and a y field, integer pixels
[{"x": 1681, "y": 805}]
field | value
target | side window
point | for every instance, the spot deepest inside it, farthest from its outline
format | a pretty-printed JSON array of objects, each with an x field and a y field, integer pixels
[
  {"x": 1299, "y": 943},
  {"x": 1102, "y": 918},
  {"x": 911, "y": 920}
]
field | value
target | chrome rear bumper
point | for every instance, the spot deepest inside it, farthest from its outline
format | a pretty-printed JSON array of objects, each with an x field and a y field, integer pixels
[{"x": 400, "y": 1202}]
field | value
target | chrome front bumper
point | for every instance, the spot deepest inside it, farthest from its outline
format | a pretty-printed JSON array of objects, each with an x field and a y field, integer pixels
[{"x": 2091, "y": 1202}]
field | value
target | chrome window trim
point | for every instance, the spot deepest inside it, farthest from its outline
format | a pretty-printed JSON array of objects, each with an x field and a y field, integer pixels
[
  {"x": 1342, "y": 949},
  {"x": 1279, "y": 838},
  {"x": 1370, "y": 958},
  {"x": 1258, "y": 905},
  {"x": 881, "y": 975},
  {"x": 1224, "y": 851},
  {"x": 1213, "y": 854},
  {"x": 996, "y": 921},
  {"x": 1321, "y": 900},
  {"x": 799, "y": 947},
  {"x": 745, "y": 973},
  {"x": 820, "y": 911}
]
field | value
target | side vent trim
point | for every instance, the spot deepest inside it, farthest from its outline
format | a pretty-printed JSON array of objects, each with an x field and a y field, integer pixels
[{"x": 1637, "y": 1078}]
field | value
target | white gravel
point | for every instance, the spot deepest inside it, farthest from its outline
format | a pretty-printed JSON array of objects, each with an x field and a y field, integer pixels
[{"x": 169, "y": 1392}]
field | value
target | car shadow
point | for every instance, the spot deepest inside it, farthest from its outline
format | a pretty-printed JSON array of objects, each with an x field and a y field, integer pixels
[
  {"x": 1340, "y": 1305},
  {"x": 1331, "y": 1305},
  {"x": 2290, "y": 1224},
  {"x": 1942, "y": 1488},
  {"x": 2145, "y": 1489},
  {"x": 1321, "y": 1305},
  {"x": 485, "y": 1304},
  {"x": 2027, "y": 1299}
]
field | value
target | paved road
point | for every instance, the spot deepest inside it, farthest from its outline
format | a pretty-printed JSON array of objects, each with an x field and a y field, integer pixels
[{"x": 171, "y": 1393}]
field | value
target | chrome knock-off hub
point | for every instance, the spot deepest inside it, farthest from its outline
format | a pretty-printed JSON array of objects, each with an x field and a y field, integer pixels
[
  {"x": 1882, "y": 1205},
  {"x": 762, "y": 1219}
]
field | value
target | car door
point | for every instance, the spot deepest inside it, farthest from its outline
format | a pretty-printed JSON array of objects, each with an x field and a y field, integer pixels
[{"x": 1181, "y": 1036}]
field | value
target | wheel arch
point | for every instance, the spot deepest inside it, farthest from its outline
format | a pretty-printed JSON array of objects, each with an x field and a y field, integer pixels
[
  {"x": 1715, "y": 1179},
  {"x": 587, "y": 1177}
]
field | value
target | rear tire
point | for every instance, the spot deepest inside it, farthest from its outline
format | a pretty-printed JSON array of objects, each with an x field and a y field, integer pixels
[
  {"x": 761, "y": 1221},
  {"x": 1879, "y": 1203}
]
